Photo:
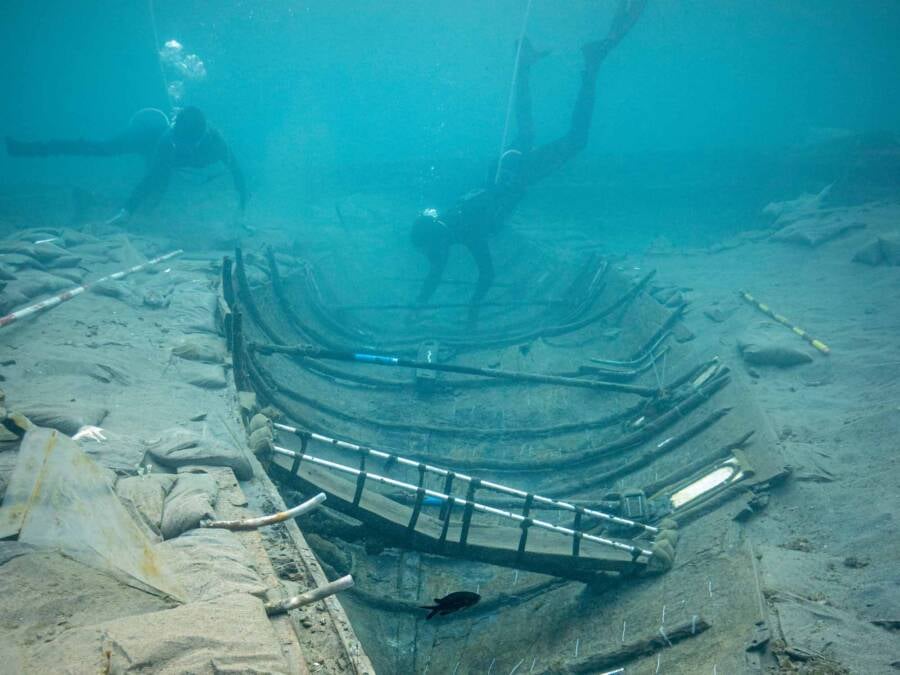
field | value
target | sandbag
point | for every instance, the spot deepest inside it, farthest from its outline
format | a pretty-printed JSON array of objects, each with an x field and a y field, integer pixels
[
  {"x": 12, "y": 299},
  {"x": 194, "y": 311},
  {"x": 65, "y": 261},
  {"x": 50, "y": 594},
  {"x": 815, "y": 231},
  {"x": 75, "y": 238},
  {"x": 66, "y": 417},
  {"x": 49, "y": 251},
  {"x": 227, "y": 635},
  {"x": 260, "y": 440},
  {"x": 31, "y": 234},
  {"x": 144, "y": 496},
  {"x": 18, "y": 261},
  {"x": 105, "y": 252},
  {"x": 178, "y": 447},
  {"x": 870, "y": 254},
  {"x": 212, "y": 563},
  {"x": 189, "y": 501},
  {"x": 16, "y": 246},
  {"x": 121, "y": 453},
  {"x": 74, "y": 275},
  {"x": 258, "y": 421},
  {"x": 118, "y": 290},
  {"x": 203, "y": 375},
  {"x": 777, "y": 355},
  {"x": 102, "y": 372},
  {"x": 206, "y": 349},
  {"x": 35, "y": 284}
]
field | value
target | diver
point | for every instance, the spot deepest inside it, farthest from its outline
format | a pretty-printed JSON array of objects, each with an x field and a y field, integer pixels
[
  {"x": 481, "y": 213},
  {"x": 187, "y": 142}
]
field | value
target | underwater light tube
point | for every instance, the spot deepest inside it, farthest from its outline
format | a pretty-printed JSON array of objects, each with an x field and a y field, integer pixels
[
  {"x": 729, "y": 472},
  {"x": 375, "y": 358},
  {"x": 565, "y": 506},
  {"x": 633, "y": 550}
]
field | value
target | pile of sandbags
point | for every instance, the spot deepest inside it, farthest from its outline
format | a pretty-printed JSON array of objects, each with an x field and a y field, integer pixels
[
  {"x": 817, "y": 229},
  {"x": 35, "y": 263},
  {"x": 227, "y": 635},
  {"x": 213, "y": 563}
]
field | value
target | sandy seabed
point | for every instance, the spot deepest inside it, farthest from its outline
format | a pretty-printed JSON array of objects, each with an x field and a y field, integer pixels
[{"x": 826, "y": 546}]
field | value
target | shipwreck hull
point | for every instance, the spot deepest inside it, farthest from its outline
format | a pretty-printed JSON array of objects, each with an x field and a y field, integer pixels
[{"x": 670, "y": 417}]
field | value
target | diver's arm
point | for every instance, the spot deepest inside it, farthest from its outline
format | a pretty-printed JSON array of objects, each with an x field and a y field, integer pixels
[
  {"x": 240, "y": 185},
  {"x": 237, "y": 176},
  {"x": 437, "y": 261},
  {"x": 156, "y": 180}
]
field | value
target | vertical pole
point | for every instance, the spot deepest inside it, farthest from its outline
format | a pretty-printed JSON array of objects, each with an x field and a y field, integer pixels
[{"x": 512, "y": 89}]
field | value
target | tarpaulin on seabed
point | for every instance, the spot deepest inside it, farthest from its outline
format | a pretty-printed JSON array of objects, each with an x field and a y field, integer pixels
[{"x": 58, "y": 498}]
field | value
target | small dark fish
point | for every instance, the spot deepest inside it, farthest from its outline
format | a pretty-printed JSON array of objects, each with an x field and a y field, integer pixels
[{"x": 452, "y": 603}]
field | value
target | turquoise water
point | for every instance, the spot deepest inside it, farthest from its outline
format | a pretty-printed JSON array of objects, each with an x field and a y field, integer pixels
[
  {"x": 348, "y": 118},
  {"x": 317, "y": 98}
]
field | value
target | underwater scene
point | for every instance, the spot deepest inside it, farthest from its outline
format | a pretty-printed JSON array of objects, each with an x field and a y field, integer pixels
[{"x": 407, "y": 337}]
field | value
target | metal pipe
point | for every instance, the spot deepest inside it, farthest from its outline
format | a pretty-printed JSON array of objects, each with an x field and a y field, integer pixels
[
  {"x": 634, "y": 362},
  {"x": 446, "y": 305},
  {"x": 311, "y": 352},
  {"x": 463, "y": 502},
  {"x": 497, "y": 487}
]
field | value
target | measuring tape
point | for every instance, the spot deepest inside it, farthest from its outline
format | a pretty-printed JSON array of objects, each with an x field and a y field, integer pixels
[
  {"x": 765, "y": 309},
  {"x": 78, "y": 290}
]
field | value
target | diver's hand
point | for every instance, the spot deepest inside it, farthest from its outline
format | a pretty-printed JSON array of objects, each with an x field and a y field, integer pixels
[{"x": 119, "y": 219}]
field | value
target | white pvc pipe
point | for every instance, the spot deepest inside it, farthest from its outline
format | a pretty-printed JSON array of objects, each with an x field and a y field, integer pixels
[
  {"x": 309, "y": 597},
  {"x": 262, "y": 521},
  {"x": 462, "y": 502}
]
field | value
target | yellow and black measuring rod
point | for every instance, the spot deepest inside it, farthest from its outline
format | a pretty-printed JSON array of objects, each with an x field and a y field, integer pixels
[{"x": 768, "y": 311}]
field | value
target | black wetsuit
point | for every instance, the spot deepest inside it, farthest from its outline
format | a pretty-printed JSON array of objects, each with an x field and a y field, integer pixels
[
  {"x": 148, "y": 134},
  {"x": 480, "y": 214},
  {"x": 167, "y": 157}
]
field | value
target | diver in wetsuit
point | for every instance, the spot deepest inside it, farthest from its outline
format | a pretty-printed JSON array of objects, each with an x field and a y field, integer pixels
[
  {"x": 481, "y": 213},
  {"x": 188, "y": 142}
]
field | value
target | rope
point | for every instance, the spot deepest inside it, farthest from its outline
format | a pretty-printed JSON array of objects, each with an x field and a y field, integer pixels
[{"x": 512, "y": 90}]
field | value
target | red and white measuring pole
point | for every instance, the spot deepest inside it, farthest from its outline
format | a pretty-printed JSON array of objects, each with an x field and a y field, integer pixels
[{"x": 54, "y": 300}]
